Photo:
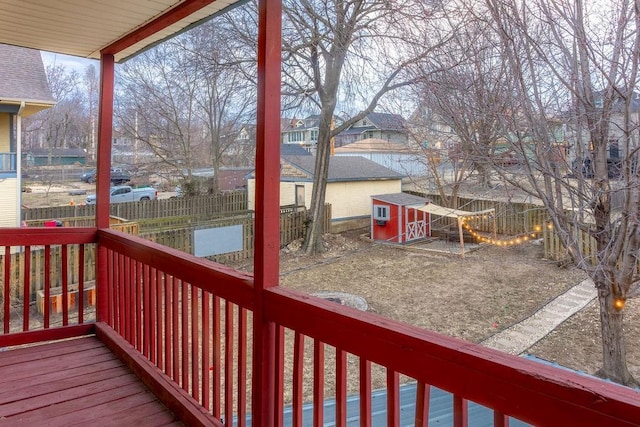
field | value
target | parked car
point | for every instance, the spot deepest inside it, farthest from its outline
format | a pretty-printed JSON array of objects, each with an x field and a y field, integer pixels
[
  {"x": 125, "y": 193},
  {"x": 118, "y": 176}
]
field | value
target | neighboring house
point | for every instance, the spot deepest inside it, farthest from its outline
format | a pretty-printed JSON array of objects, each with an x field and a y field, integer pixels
[
  {"x": 350, "y": 184},
  {"x": 430, "y": 130},
  {"x": 23, "y": 91},
  {"x": 231, "y": 179},
  {"x": 396, "y": 219},
  {"x": 302, "y": 132},
  {"x": 385, "y": 126},
  {"x": 55, "y": 156},
  {"x": 242, "y": 151},
  {"x": 616, "y": 145},
  {"x": 402, "y": 158}
]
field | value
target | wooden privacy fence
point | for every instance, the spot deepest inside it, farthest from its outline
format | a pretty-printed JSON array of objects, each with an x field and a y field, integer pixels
[
  {"x": 180, "y": 206},
  {"x": 518, "y": 218},
  {"x": 176, "y": 233},
  {"x": 115, "y": 223},
  {"x": 511, "y": 218},
  {"x": 38, "y": 268},
  {"x": 554, "y": 248},
  {"x": 292, "y": 227}
]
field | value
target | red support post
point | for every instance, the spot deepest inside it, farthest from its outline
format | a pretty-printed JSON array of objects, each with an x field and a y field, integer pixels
[
  {"x": 267, "y": 196},
  {"x": 105, "y": 121},
  {"x": 105, "y": 133},
  {"x": 7, "y": 290}
]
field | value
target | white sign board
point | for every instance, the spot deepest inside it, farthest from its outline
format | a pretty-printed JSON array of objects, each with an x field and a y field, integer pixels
[{"x": 215, "y": 241}]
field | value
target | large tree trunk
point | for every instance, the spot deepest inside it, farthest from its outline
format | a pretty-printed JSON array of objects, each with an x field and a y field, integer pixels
[
  {"x": 315, "y": 217},
  {"x": 614, "y": 362}
]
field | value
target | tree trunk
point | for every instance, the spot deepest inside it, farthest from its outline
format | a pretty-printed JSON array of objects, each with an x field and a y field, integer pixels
[
  {"x": 315, "y": 217},
  {"x": 614, "y": 362}
]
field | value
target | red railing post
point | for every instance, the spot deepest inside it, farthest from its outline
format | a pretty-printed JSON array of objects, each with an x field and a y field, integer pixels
[{"x": 267, "y": 196}]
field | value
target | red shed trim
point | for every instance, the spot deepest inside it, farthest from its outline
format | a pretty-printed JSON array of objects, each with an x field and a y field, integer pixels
[{"x": 396, "y": 218}]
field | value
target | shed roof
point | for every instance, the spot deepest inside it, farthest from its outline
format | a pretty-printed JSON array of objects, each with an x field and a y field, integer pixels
[
  {"x": 401, "y": 199},
  {"x": 344, "y": 168},
  {"x": 86, "y": 27}
]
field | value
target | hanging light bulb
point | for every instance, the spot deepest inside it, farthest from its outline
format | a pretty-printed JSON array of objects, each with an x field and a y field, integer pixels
[{"x": 618, "y": 303}]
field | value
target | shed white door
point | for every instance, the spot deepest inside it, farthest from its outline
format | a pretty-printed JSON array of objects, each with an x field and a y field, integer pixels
[{"x": 416, "y": 225}]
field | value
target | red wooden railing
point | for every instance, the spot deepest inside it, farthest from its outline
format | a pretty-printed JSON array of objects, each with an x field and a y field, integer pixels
[
  {"x": 35, "y": 263},
  {"x": 189, "y": 317},
  {"x": 187, "y": 322}
]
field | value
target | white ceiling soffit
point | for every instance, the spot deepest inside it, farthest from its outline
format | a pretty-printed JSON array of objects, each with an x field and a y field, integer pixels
[{"x": 84, "y": 27}]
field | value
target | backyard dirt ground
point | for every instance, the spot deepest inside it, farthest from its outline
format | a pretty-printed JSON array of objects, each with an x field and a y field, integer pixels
[{"x": 471, "y": 298}]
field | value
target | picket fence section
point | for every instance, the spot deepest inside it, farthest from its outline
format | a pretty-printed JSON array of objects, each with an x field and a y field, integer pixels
[{"x": 178, "y": 206}]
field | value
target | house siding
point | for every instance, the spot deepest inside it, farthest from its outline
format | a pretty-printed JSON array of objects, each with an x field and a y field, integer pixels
[
  {"x": 5, "y": 133},
  {"x": 353, "y": 199},
  {"x": 406, "y": 164},
  {"x": 350, "y": 199},
  {"x": 9, "y": 203}
]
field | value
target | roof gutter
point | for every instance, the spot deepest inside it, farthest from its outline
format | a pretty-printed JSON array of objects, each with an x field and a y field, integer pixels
[{"x": 19, "y": 161}]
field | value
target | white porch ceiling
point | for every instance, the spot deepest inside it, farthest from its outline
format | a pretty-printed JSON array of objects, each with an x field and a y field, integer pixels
[{"x": 84, "y": 27}]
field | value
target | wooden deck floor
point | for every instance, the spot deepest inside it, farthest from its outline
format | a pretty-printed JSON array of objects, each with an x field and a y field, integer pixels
[{"x": 74, "y": 382}]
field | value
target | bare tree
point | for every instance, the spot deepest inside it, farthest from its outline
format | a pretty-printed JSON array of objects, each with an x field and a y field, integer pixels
[
  {"x": 579, "y": 63},
  {"x": 438, "y": 148},
  {"x": 156, "y": 105},
  {"x": 92, "y": 87},
  {"x": 350, "y": 51},
  {"x": 185, "y": 100},
  {"x": 62, "y": 125},
  {"x": 226, "y": 97}
]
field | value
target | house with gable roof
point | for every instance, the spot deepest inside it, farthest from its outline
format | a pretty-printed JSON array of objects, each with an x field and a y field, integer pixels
[
  {"x": 302, "y": 132},
  {"x": 350, "y": 184},
  {"x": 23, "y": 91},
  {"x": 385, "y": 126},
  {"x": 406, "y": 159}
]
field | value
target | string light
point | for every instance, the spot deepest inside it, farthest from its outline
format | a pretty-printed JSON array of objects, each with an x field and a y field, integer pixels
[
  {"x": 514, "y": 240},
  {"x": 618, "y": 303}
]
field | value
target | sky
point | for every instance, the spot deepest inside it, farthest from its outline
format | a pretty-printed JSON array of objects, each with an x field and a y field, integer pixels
[{"x": 71, "y": 62}]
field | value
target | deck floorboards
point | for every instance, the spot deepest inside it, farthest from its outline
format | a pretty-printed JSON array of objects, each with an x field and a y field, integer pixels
[{"x": 74, "y": 382}]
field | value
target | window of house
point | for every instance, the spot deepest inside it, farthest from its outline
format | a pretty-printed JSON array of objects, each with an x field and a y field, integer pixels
[
  {"x": 381, "y": 212},
  {"x": 314, "y": 135},
  {"x": 297, "y": 136}
]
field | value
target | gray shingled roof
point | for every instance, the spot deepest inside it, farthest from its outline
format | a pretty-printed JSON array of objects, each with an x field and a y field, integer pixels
[
  {"x": 22, "y": 75},
  {"x": 352, "y": 168},
  {"x": 293, "y": 150},
  {"x": 387, "y": 121},
  {"x": 401, "y": 199}
]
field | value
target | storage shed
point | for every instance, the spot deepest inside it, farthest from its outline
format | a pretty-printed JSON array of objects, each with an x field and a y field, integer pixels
[{"x": 396, "y": 218}]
